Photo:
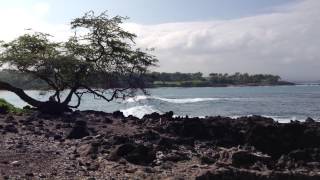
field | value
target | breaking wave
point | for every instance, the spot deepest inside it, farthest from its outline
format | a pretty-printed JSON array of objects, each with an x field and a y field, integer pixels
[
  {"x": 139, "y": 111},
  {"x": 176, "y": 100}
]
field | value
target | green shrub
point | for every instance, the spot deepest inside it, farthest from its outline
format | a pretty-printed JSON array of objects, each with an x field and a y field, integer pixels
[{"x": 6, "y": 107}]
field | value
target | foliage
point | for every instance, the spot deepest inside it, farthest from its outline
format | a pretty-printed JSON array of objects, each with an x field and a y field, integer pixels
[
  {"x": 215, "y": 79},
  {"x": 245, "y": 78},
  {"x": 6, "y": 107},
  {"x": 99, "y": 49}
]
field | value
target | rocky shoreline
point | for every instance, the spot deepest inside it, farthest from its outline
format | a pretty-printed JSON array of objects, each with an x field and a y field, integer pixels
[{"x": 98, "y": 145}]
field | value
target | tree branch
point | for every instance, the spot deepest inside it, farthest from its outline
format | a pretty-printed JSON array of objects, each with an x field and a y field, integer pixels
[{"x": 19, "y": 92}]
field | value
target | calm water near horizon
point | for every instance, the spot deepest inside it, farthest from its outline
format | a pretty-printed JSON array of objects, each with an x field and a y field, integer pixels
[{"x": 282, "y": 103}]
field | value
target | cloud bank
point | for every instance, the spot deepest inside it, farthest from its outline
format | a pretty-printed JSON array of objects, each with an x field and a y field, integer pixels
[{"x": 284, "y": 42}]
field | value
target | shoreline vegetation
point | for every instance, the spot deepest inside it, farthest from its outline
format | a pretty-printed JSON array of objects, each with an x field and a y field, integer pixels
[
  {"x": 156, "y": 79},
  {"x": 99, "y": 145}
]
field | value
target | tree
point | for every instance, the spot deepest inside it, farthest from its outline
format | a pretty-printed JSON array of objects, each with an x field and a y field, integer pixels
[{"x": 100, "y": 48}]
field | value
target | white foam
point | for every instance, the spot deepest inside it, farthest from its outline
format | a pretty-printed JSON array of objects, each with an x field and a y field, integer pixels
[
  {"x": 279, "y": 119},
  {"x": 137, "y": 98},
  {"x": 139, "y": 111},
  {"x": 285, "y": 119},
  {"x": 179, "y": 101},
  {"x": 187, "y": 100}
]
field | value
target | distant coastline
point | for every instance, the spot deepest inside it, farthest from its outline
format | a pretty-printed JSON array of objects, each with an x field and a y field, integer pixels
[
  {"x": 156, "y": 79},
  {"x": 182, "y": 84}
]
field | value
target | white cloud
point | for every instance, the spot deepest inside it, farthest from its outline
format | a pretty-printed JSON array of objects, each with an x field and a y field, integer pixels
[
  {"x": 285, "y": 42},
  {"x": 15, "y": 21}
]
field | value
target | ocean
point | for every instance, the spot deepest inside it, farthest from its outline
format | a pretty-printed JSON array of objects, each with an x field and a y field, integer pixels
[{"x": 283, "y": 103}]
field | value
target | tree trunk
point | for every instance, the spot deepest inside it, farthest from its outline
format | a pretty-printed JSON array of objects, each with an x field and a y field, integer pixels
[
  {"x": 19, "y": 92},
  {"x": 50, "y": 107}
]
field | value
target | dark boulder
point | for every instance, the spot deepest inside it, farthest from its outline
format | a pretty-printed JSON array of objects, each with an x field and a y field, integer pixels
[
  {"x": 152, "y": 116},
  {"x": 310, "y": 120},
  {"x": 246, "y": 158},
  {"x": 79, "y": 130},
  {"x": 168, "y": 115},
  {"x": 242, "y": 174},
  {"x": 117, "y": 140},
  {"x": 305, "y": 155},
  {"x": 134, "y": 153},
  {"x": 118, "y": 114},
  {"x": 276, "y": 140}
]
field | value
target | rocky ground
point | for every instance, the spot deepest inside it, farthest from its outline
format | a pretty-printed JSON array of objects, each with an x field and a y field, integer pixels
[{"x": 97, "y": 145}]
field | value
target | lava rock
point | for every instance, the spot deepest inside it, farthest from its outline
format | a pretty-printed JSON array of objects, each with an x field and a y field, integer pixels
[
  {"x": 246, "y": 158},
  {"x": 176, "y": 156},
  {"x": 118, "y": 114},
  {"x": 108, "y": 120},
  {"x": 168, "y": 115},
  {"x": 79, "y": 131},
  {"x": 152, "y": 116},
  {"x": 310, "y": 120},
  {"x": 10, "y": 128},
  {"x": 134, "y": 153}
]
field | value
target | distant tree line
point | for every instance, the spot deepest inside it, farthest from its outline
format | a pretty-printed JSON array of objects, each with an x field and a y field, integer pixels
[
  {"x": 239, "y": 78},
  {"x": 155, "y": 79},
  {"x": 214, "y": 79}
]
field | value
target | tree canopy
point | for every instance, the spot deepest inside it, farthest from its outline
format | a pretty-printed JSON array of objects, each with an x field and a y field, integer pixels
[{"x": 99, "y": 48}]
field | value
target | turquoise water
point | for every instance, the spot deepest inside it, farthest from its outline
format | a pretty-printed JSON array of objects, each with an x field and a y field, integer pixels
[{"x": 283, "y": 103}]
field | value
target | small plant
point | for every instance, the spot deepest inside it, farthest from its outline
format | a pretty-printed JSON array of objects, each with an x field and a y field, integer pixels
[{"x": 6, "y": 107}]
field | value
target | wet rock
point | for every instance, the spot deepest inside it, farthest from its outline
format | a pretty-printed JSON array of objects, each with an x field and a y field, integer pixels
[
  {"x": 133, "y": 118},
  {"x": 118, "y": 114},
  {"x": 191, "y": 128},
  {"x": 79, "y": 130},
  {"x": 168, "y": 115},
  {"x": 152, "y": 116},
  {"x": 310, "y": 120}
]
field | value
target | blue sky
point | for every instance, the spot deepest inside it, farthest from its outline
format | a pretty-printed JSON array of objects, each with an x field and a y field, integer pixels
[
  {"x": 224, "y": 36},
  {"x": 155, "y": 11}
]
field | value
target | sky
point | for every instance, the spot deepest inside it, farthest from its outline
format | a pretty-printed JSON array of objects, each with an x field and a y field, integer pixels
[{"x": 266, "y": 36}]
